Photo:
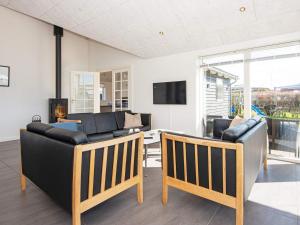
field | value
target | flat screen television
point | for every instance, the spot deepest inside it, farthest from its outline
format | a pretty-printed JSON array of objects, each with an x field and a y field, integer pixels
[{"x": 170, "y": 93}]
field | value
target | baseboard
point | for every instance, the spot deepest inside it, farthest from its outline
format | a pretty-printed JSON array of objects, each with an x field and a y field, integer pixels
[{"x": 3, "y": 139}]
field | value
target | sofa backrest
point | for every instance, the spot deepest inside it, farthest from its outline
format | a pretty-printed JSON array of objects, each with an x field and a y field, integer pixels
[
  {"x": 105, "y": 122},
  {"x": 87, "y": 120},
  {"x": 219, "y": 125},
  {"x": 93, "y": 123},
  {"x": 120, "y": 118},
  {"x": 234, "y": 133},
  {"x": 67, "y": 136}
]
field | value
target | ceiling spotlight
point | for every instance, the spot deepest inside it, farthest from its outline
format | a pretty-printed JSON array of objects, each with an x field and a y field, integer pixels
[
  {"x": 243, "y": 9},
  {"x": 161, "y": 33}
]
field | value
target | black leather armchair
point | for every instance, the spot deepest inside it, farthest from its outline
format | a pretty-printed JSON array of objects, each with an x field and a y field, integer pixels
[
  {"x": 76, "y": 174},
  {"x": 222, "y": 169}
]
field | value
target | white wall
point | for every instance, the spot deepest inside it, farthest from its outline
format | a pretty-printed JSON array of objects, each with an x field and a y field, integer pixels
[
  {"x": 27, "y": 45},
  {"x": 171, "y": 68}
]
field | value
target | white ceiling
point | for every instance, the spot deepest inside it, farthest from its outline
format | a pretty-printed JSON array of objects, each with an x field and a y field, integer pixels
[{"x": 134, "y": 25}]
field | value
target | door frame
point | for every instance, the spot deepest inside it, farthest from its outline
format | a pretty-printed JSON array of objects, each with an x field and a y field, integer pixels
[
  {"x": 113, "y": 70},
  {"x": 96, "y": 89}
]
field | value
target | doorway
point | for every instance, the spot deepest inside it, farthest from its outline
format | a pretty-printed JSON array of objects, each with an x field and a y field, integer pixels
[{"x": 106, "y": 92}]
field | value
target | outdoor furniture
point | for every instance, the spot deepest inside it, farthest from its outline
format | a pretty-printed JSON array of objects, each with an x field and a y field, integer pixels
[{"x": 284, "y": 135}]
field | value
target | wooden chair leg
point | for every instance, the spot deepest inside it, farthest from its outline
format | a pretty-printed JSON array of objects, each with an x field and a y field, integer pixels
[
  {"x": 76, "y": 218},
  {"x": 266, "y": 163},
  {"x": 23, "y": 182},
  {"x": 140, "y": 192},
  {"x": 240, "y": 215},
  {"x": 164, "y": 193}
]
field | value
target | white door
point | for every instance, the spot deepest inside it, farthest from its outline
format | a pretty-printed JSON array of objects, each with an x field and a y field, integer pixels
[
  {"x": 85, "y": 96},
  {"x": 121, "y": 90}
]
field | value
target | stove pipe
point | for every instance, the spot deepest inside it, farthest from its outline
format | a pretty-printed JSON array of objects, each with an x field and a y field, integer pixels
[{"x": 58, "y": 33}]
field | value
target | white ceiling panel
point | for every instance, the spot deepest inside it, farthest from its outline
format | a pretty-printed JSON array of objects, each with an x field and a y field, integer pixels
[
  {"x": 271, "y": 8},
  {"x": 4, "y": 2},
  {"x": 31, "y": 7},
  {"x": 134, "y": 25}
]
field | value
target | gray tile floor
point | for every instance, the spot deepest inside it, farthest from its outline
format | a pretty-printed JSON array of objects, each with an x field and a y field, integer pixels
[{"x": 274, "y": 200}]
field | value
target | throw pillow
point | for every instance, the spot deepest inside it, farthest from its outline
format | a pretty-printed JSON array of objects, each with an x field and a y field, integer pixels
[
  {"x": 67, "y": 126},
  {"x": 132, "y": 121},
  {"x": 236, "y": 121}
]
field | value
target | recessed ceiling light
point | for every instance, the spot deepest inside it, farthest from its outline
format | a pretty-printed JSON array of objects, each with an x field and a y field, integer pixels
[
  {"x": 243, "y": 9},
  {"x": 161, "y": 33}
]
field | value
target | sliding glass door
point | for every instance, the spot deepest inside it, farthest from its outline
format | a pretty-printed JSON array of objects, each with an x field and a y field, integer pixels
[
  {"x": 275, "y": 84},
  {"x": 263, "y": 82}
]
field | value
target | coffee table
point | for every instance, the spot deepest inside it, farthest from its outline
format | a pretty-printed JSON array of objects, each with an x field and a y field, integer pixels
[{"x": 152, "y": 137}]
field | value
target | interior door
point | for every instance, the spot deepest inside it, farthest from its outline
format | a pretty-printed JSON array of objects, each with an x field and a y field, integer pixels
[
  {"x": 85, "y": 96},
  {"x": 121, "y": 90}
]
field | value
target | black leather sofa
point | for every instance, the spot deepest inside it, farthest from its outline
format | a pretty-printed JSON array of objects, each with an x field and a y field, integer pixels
[
  {"x": 196, "y": 165},
  {"x": 50, "y": 157},
  {"x": 253, "y": 135},
  {"x": 104, "y": 126}
]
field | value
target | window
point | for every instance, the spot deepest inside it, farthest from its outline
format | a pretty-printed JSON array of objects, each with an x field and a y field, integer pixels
[
  {"x": 219, "y": 89},
  {"x": 261, "y": 81}
]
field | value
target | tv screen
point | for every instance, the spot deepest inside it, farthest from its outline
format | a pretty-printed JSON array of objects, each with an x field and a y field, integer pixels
[{"x": 169, "y": 93}]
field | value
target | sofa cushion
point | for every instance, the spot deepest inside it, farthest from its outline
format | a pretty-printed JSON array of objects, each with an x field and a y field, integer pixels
[
  {"x": 105, "y": 122},
  {"x": 119, "y": 133},
  {"x": 257, "y": 119},
  {"x": 100, "y": 137},
  {"x": 253, "y": 121},
  {"x": 219, "y": 125},
  {"x": 145, "y": 128},
  {"x": 236, "y": 121},
  {"x": 68, "y": 126},
  {"x": 120, "y": 118},
  {"x": 132, "y": 120},
  {"x": 39, "y": 128},
  {"x": 72, "y": 137},
  {"x": 87, "y": 120},
  {"x": 250, "y": 123},
  {"x": 233, "y": 133}
]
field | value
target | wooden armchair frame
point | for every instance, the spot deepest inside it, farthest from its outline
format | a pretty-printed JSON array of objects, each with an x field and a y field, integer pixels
[
  {"x": 79, "y": 206},
  {"x": 236, "y": 202}
]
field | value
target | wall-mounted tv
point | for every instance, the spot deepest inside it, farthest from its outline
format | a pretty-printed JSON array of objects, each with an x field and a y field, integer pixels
[{"x": 169, "y": 93}]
